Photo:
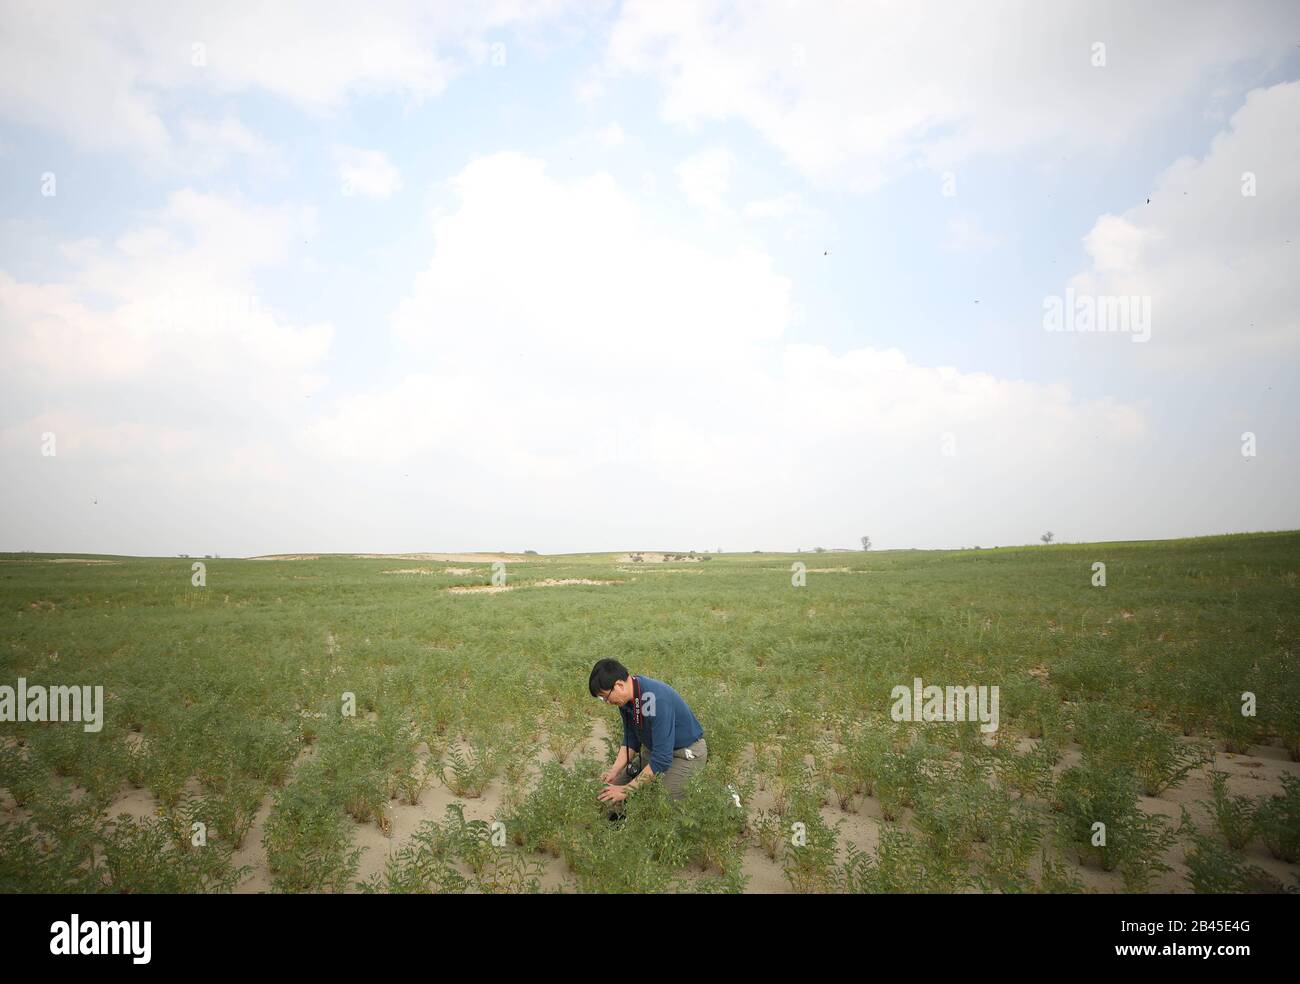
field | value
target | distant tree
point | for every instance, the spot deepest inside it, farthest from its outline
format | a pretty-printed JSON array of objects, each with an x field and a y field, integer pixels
[
  {"x": 533, "y": 552},
  {"x": 1047, "y": 537},
  {"x": 866, "y": 543},
  {"x": 821, "y": 550}
]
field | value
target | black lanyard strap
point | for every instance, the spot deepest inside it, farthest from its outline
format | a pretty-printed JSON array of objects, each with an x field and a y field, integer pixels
[{"x": 636, "y": 720}]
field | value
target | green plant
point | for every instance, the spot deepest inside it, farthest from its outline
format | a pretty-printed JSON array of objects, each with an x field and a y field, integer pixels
[
  {"x": 768, "y": 832},
  {"x": 1055, "y": 878},
  {"x": 945, "y": 815},
  {"x": 143, "y": 856},
  {"x": 419, "y": 866},
  {"x": 866, "y": 745},
  {"x": 308, "y": 839},
  {"x": 1030, "y": 774},
  {"x": 1119, "y": 737},
  {"x": 1213, "y": 870},
  {"x": 709, "y": 825},
  {"x": 1234, "y": 815},
  {"x": 1128, "y": 839},
  {"x": 901, "y": 864},
  {"x": 1278, "y": 821},
  {"x": 561, "y": 807},
  {"x": 468, "y": 773},
  {"x": 809, "y": 850},
  {"x": 903, "y": 773},
  {"x": 608, "y": 859},
  {"x": 566, "y": 729}
]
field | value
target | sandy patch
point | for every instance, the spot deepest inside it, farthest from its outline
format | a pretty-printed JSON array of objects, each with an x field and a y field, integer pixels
[
  {"x": 825, "y": 570},
  {"x": 56, "y": 560},
  {"x": 547, "y": 583},
  {"x": 658, "y": 570},
  {"x": 411, "y": 570},
  {"x": 658, "y": 558},
  {"x": 568, "y": 580},
  {"x": 461, "y": 558}
]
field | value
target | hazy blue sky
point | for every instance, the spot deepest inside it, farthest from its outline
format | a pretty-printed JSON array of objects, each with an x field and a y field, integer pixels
[{"x": 570, "y": 276}]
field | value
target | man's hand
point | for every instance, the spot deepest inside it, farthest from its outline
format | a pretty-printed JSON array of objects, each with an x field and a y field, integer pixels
[
  {"x": 611, "y": 774},
  {"x": 613, "y": 794}
]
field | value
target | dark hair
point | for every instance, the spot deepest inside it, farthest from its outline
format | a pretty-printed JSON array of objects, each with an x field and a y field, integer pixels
[{"x": 605, "y": 674}]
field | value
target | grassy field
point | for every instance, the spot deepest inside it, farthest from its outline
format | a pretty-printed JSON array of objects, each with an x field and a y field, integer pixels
[{"x": 226, "y": 761}]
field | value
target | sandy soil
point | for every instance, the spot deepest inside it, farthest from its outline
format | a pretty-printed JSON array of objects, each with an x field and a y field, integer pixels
[
  {"x": 657, "y": 570},
  {"x": 657, "y": 558},
  {"x": 497, "y": 589},
  {"x": 566, "y": 580},
  {"x": 449, "y": 558},
  {"x": 462, "y": 558},
  {"x": 1257, "y": 773},
  {"x": 58, "y": 560},
  {"x": 825, "y": 570}
]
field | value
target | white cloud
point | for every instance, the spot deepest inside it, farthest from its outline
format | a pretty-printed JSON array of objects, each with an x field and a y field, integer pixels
[
  {"x": 854, "y": 94},
  {"x": 160, "y": 337},
  {"x": 964, "y": 235},
  {"x": 558, "y": 332},
  {"x": 102, "y": 79},
  {"x": 589, "y": 91},
  {"x": 783, "y": 206},
  {"x": 704, "y": 178},
  {"x": 209, "y": 144},
  {"x": 518, "y": 227},
  {"x": 611, "y": 136},
  {"x": 368, "y": 173},
  {"x": 1215, "y": 262}
]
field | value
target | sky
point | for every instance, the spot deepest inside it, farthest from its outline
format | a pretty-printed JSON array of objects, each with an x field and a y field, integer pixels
[{"x": 387, "y": 277}]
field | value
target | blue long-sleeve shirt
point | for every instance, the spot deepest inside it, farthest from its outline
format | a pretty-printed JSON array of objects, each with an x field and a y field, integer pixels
[{"x": 666, "y": 723}]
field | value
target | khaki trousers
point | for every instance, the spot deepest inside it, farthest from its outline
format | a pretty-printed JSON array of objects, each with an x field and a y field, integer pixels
[{"x": 674, "y": 779}]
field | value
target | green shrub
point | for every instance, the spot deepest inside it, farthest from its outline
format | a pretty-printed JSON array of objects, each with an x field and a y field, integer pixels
[
  {"x": 1028, "y": 774},
  {"x": 1135, "y": 842},
  {"x": 809, "y": 853},
  {"x": 901, "y": 864},
  {"x": 562, "y": 806},
  {"x": 308, "y": 838},
  {"x": 1214, "y": 870},
  {"x": 1120, "y": 738},
  {"x": 468, "y": 773},
  {"x": 144, "y": 856},
  {"x": 709, "y": 825},
  {"x": 1234, "y": 815},
  {"x": 1278, "y": 821},
  {"x": 768, "y": 832}
]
